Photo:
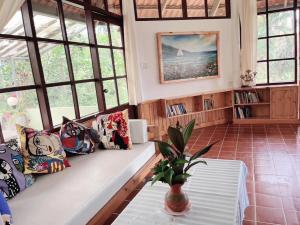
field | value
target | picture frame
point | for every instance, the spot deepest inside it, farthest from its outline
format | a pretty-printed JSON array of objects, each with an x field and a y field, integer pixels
[{"x": 186, "y": 56}]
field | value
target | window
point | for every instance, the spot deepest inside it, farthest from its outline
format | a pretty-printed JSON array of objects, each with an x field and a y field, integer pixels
[
  {"x": 277, "y": 42},
  {"x": 51, "y": 70},
  {"x": 181, "y": 9}
]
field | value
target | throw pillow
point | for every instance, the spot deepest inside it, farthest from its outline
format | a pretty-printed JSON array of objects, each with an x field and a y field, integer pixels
[
  {"x": 113, "y": 130},
  {"x": 76, "y": 138},
  {"x": 42, "y": 151},
  {"x": 12, "y": 179}
]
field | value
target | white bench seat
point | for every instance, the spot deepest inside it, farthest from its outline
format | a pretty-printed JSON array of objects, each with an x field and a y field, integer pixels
[{"x": 75, "y": 195}]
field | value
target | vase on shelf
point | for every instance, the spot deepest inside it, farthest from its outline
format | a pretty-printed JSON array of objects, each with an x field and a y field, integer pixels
[{"x": 177, "y": 201}]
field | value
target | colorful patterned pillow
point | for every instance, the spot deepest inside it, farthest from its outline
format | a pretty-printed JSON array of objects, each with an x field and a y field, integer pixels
[
  {"x": 113, "y": 130},
  {"x": 12, "y": 179},
  {"x": 42, "y": 151},
  {"x": 76, "y": 138}
]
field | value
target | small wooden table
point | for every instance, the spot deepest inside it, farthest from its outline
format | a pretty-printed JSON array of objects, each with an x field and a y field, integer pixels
[{"x": 217, "y": 192}]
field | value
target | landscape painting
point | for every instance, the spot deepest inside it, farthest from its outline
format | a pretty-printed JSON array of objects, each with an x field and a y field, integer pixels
[{"x": 186, "y": 56}]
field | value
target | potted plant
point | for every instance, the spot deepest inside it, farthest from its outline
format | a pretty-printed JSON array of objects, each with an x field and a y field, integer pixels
[{"x": 174, "y": 168}]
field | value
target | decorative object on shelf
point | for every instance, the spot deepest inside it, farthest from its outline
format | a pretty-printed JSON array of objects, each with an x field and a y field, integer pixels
[
  {"x": 188, "y": 56},
  {"x": 208, "y": 104},
  {"x": 248, "y": 79},
  {"x": 175, "y": 110},
  {"x": 174, "y": 168}
]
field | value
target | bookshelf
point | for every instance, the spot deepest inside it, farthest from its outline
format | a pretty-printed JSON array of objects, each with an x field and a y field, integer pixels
[
  {"x": 251, "y": 103},
  {"x": 276, "y": 104}
]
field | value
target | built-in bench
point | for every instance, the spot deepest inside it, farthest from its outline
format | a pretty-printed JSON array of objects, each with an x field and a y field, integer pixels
[{"x": 75, "y": 195}]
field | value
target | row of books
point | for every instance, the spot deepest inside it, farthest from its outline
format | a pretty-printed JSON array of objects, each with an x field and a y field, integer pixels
[
  {"x": 175, "y": 110},
  {"x": 246, "y": 97},
  {"x": 208, "y": 104},
  {"x": 243, "y": 113}
]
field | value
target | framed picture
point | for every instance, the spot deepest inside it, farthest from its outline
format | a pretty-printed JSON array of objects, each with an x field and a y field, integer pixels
[{"x": 188, "y": 56}]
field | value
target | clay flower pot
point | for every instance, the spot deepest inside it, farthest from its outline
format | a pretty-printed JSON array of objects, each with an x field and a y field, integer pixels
[{"x": 176, "y": 201}]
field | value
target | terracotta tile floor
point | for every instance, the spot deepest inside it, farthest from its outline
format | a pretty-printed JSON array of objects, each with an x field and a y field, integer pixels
[{"x": 272, "y": 155}]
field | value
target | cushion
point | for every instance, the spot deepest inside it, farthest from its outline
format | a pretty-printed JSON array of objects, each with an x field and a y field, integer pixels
[
  {"x": 6, "y": 218},
  {"x": 113, "y": 130},
  {"x": 80, "y": 192},
  {"x": 12, "y": 179},
  {"x": 138, "y": 131},
  {"x": 76, "y": 138},
  {"x": 42, "y": 151}
]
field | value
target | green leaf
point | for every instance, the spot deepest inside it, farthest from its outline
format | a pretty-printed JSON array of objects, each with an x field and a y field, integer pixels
[
  {"x": 193, "y": 164},
  {"x": 168, "y": 176},
  {"x": 181, "y": 162},
  {"x": 157, "y": 177},
  {"x": 166, "y": 149},
  {"x": 181, "y": 178},
  {"x": 202, "y": 152},
  {"x": 188, "y": 130},
  {"x": 177, "y": 139}
]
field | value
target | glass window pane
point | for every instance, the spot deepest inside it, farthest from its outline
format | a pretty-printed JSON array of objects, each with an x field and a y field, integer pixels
[
  {"x": 119, "y": 62},
  {"x": 19, "y": 107},
  {"x": 81, "y": 62},
  {"x": 171, "y": 9},
  {"x": 262, "y": 49},
  {"x": 122, "y": 90},
  {"x": 261, "y": 5},
  {"x": 262, "y": 26},
  {"x": 87, "y": 98},
  {"x": 61, "y": 103},
  {"x": 54, "y": 62},
  {"x": 216, "y": 8},
  {"x": 116, "y": 36},
  {"x": 281, "y": 23},
  {"x": 282, "y": 47},
  {"x": 15, "y": 67},
  {"x": 46, "y": 20},
  {"x": 261, "y": 77},
  {"x": 195, "y": 8},
  {"x": 282, "y": 71},
  {"x": 106, "y": 62},
  {"x": 280, "y": 4},
  {"x": 114, "y": 6},
  {"x": 15, "y": 25},
  {"x": 98, "y": 3},
  {"x": 110, "y": 95},
  {"x": 101, "y": 33},
  {"x": 147, "y": 9},
  {"x": 75, "y": 23}
]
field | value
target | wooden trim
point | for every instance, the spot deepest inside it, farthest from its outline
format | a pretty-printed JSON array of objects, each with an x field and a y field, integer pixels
[
  {"x": 160, "y": 55},
  {"x": 101, "y": 217}
]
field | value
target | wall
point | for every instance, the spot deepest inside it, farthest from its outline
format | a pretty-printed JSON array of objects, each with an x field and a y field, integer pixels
[{"x": 148, "y": 68}]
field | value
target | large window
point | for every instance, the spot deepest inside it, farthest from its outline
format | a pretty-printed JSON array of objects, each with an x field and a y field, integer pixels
[
  {"x": 62, "y": 61},
  {"x": 277, "y": 41},
  {"x": 181, "y": 9}
]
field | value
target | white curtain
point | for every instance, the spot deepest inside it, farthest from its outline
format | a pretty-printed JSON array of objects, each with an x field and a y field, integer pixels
[
  {"x": 8, "y": 8},
  {"x": 248, "y": 19},
  {"x": 131, "y": 53}
]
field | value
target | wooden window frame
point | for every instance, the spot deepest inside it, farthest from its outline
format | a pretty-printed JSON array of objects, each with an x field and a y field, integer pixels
[
  {"x": 184, "y": 12},
  {"x": 267, "y": 12},
  {"x": 41, "y": 86}
]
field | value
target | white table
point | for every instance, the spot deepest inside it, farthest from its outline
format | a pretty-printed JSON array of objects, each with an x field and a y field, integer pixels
[{"x": 217, "y": 192}]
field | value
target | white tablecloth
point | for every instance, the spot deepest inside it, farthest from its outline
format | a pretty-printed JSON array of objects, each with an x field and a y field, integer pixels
[{"x": 217, "y": 192}]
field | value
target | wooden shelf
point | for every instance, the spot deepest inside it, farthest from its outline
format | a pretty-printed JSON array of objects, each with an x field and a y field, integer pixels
[
  {"x": 220, "y": 108},
  {"x": 193, "y": 113},
  {"x": 249, "y": 104}
]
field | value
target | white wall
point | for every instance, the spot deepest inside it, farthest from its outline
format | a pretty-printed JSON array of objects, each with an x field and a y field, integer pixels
[{"x": 147, "y": 56}]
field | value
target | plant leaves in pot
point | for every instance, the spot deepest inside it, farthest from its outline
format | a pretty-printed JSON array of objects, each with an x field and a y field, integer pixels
[{"x": 175, "y": 166}]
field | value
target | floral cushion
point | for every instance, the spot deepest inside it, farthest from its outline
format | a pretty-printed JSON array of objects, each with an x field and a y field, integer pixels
[
  {"x": 113, "y": 130},
  {"x": 42, "y": 151},
  {"x": 76, "y": 138},
  {"x": 12, "y": 179}
]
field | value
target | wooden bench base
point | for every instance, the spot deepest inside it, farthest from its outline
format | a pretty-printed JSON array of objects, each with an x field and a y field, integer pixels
[{"x": 103, "y": 215}]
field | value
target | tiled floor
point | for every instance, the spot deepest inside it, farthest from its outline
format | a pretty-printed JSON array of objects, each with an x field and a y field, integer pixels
[{"x": 272, "y": 155}]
